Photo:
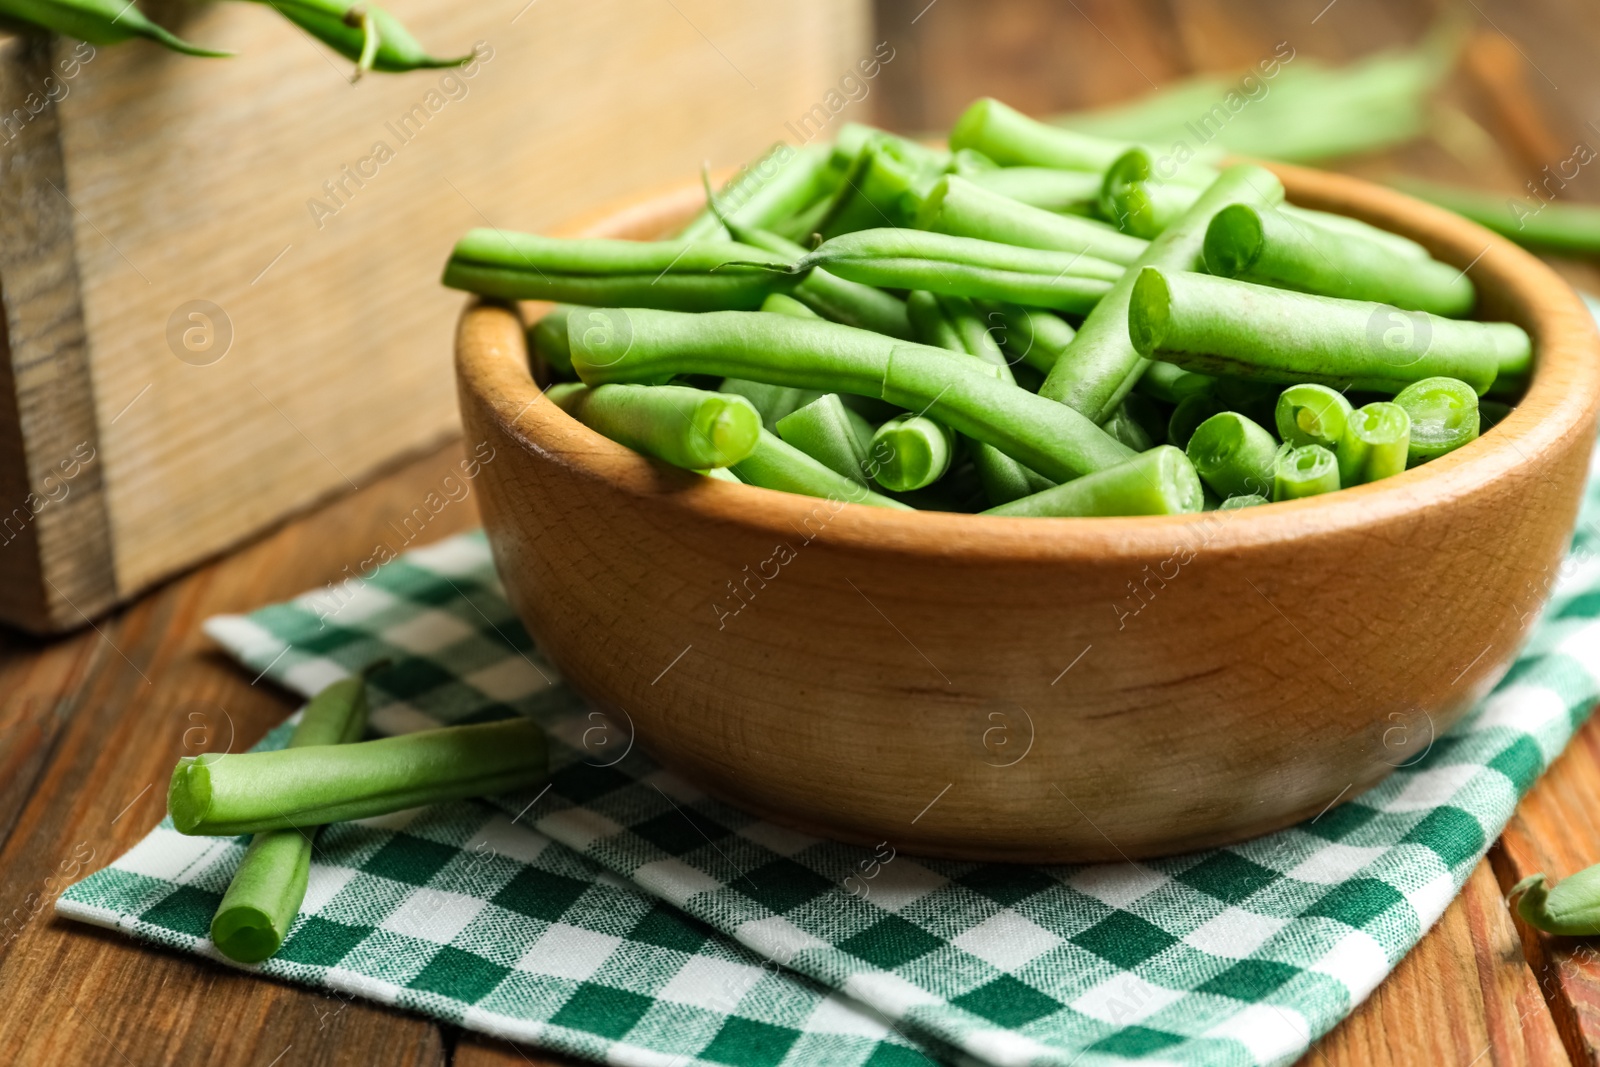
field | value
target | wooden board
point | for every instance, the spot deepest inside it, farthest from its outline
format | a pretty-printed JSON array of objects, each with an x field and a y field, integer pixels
[{"x": 162, "y": 180}]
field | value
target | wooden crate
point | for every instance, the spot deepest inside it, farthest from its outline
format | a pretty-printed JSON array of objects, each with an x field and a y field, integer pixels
[{"x": 220, "y": 277}]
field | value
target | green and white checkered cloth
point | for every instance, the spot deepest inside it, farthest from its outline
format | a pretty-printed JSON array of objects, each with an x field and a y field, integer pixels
[{"x": 620, "y": 914}]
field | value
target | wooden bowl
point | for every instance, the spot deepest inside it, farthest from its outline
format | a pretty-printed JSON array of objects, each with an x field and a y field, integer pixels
[{"x": 1040, "y": 690}]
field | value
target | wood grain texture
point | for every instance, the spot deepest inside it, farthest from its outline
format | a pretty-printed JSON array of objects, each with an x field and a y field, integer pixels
[
  {"x": 92, "y": 725},
  {"x": 776, "y": 649},
  {"x": 1463, "y": 996},
  {"x": 195, "y": 179}
]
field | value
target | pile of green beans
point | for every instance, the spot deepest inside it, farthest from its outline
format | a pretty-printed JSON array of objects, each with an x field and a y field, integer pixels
[{"x": 1031, "y": 322}]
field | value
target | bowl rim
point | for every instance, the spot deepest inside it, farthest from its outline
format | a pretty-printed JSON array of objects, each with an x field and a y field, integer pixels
[{"x": 1563, "y": 398}]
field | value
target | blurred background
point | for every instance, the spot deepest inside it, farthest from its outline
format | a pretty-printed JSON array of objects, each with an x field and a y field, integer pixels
[{"x": 220, "y": 276}]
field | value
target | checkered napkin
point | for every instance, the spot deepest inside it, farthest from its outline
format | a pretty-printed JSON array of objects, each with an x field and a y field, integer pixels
[{"x": 622, "y": 915}]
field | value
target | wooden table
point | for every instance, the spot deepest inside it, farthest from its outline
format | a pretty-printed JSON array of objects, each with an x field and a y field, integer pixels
[{"x": 90, "y": 725}]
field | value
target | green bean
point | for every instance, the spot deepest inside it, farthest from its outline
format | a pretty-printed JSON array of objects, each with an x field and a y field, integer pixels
[
  {"x": 1158, "y": 482},
  {"x": 784, "y": 304},
  {"x": 762, "y": 194},
  {"x": 1101, "y": 364},
  {"x": 99, "y": 22},
  {"x": 547, "y": 344},
  {"x": 1219, "y": 326},
  {"x": 912, "y": 451},
  {"x": 1011, "y": 138},
  {"x": 1573, "y": 229},
  {"x": 833, "y": 297},
  {"x": 831, "y": 434},
  {"x": 1265, "y": 246},
  {"x": 1312, "y": 415},
  {"x": 1172, "y": 384},
  {"x": 1305, "y": 471},
  {"x": 970, "y": 399},
  {"x": 1031, "y": 337},
  {"x": 1570, "y": 908},
  {"x": 1444, "y": 416},
  {"x": 929, "y": 324},
  {"x": 1071, "y": 191},
  {"x": 772, "y": 402},
  {"x": 1233, "y": 455},
  {"x": 605, "y": 273},
  {"x": 686, "y": 427},
  {"x": 883, "y": 187},
  {"x": 1003, "y": 478},
  {"x": 1375, "y": 444},
  {"x": 960, "y": 208},
  {"x": 1188, "y": 415},
  {"x": 853, "y": 137},
  {"x": 1248, "y": 500},
  {"x": 359, "y": 31},
  {"x": 222, "y": 794},
  {"x": 265, "y": 893},
  {"x": 964, "y": 266},
  {"x": 776, "y": 465},
  {"x": 969, "y": 161},
  {"x": 643, "y": 345}
]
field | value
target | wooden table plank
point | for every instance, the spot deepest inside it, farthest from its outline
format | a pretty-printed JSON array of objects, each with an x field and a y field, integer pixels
[
  {"x": 101, "y": 717},
  {"x": 1464, "y": 995}
]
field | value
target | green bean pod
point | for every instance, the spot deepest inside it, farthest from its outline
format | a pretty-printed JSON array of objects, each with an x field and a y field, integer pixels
[
  {"x": 883, "y": 187},
  {"x": 223, "y": 794},
  {"x": 266, "y": 891},
  {"x": 547, "y": 344},
  {"x": 1444, "y": 416},
  {"x": 1233, "y": 455},
  {"x": 762, "y": 194},
  {"x": 1309, "y": 470},
  {"x": 1189, "y": 414},
  {"x": 1570, "y": 908},
  {"x": 1101, "y": 364},
  {"x": 686, "y": 427},
  {"x": 961, "y": 208},
  {"x": 1220, "y": 326},
  {"x": 965, "y": 266},
  {"x": 772, "y": 402},
  {"x": 831, "y": 434},
  {"x": 1271, "y": 248},
  {"x": 598, "y": 272},
  {"x": 1311, "y": 415},
  {"x": 362, "y": 32},
  {"x": 1070, "y": 191},
  {"x": 1376, "y": 444},
  {"x": 911, "y": 452},
  {"x": 1572, "y": 229},
  {"x": 1012, "y": 139},
  {"x": 776, "y": 465},
  {"x": 784, "y": 304},
  {"x": 1172, "y": 384},
  {"x": 1158, "y": 482},
  {"x": 99, "y": 22}
]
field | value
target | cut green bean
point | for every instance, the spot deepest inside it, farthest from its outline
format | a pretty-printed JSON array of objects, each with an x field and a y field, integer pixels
[
  {"x": 1031, "y": 337},
  {"x": 960, "y": 208},
  {"x": 1172, "y": 384},
  {"x": 1376, "y": 444},
  {"x": 1570, "y": 908},
  {"x": 1011, "y": 138},
  {"x": 1444, "y": 416},
  {"x": 1268, "y": 247},
  {"x": 1233, "y": 455},
  {"x": 686, "y": 427},
  {"x": 1188, "y": 415},
  {"x": 884, "y": 187},
  {"x": 1101, "y": 364},
  {"x": 1312, "y": 415},
  {"x": 547, "y": 344},
  {"x": 831, "y": 434},
  {"x": 678, "y": 275},
  {"x": 964, "y": 266},
  {"x": 911, "y": 452},
  {"x": 777, "y": 465},
  {"x": 1305, "y": 471},
  {"x": 222, "y": 794},
  {"x": 1220, "y": 326},
  {"x": 782, "y": 304},
  {"x": 1158, "y": 482},
  {"x": 1247, "y": 500},
  {"x": 772, "y": 402},
  {"x": 1049, "y": 188},
  {"x": 265, "y": 893}
]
